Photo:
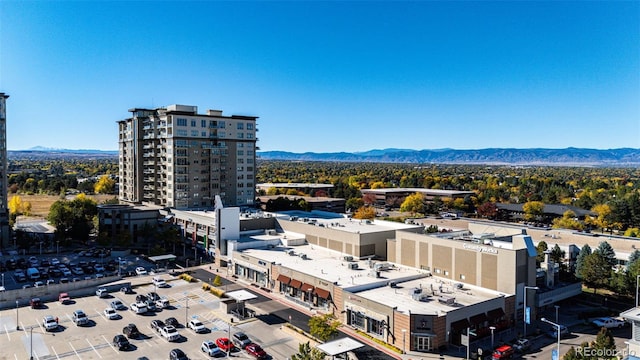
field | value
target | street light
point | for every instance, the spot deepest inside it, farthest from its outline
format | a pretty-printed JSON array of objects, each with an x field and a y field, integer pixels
[
  {"x": 2, "y": 280},
  {"x": 119, "y": 265},
  {"x": 404, "y": 344},
  {"x": 524, "y": 313},
  {"x": 492, "y": 328},
  {"x": 558, "y": 330},
  {"x": 229, "y": 337},
  {"x": 17, "y": 315},
  {"x": 186, "y": 314},
  {"x": 557, "y": 307}
]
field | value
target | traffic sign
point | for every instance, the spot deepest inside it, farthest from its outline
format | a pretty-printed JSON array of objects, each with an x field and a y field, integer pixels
[
  {"x": 464, "y": 340},
  {"x": 554, "y": 354},
  {"x": 527, "y": 315}
]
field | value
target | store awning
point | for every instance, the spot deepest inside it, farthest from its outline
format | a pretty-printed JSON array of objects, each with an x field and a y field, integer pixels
[
  {"x": 306, "y": 287},
  {"x": 495, "y": 314},
  {"x": 322, "y": 293},
  {"x": 459, "y": 325},
  {"x": 478, "y": 319},
  {"x": 295, "y": 283},
  {"x": 283, "y": 279}
]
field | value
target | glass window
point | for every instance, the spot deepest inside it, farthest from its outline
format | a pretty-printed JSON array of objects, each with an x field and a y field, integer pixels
[
  {"x": 249, "y": 126},
  {"x": 203, "y": 123},
  {"x": 240, "y": 126},
  {"x": 182, "y": 122},
  {"x": 193, "y": 123}
]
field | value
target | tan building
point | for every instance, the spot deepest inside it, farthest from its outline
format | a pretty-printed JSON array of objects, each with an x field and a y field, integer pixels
[
  {"x": 176, "y": 157},
  {"x": 395, "y": 196}
]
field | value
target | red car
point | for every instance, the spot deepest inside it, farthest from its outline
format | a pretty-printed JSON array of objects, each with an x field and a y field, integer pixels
[
  {"x": 224, "y": 344},
  {"x": 256, "y": 351}
]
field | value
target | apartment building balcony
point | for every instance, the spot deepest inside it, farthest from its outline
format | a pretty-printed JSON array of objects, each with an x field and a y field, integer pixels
[
  {"x": 148, "y": 163},
  {"x": 149, "y": 187}
]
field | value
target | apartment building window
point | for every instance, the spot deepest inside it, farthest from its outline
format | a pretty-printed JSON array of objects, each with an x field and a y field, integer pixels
[
  {"x": 193, "y": 123},
  {"x": 250, "y": 152},
  {"x": 181, "y": 122},
  {"x": 240, "y": 152},
  {"x": 249, "y": 126},
  {"x": 240, "y": 161},
  {"x": 240, "y": 168},
  {"x": 222, "y": 134},
  {"x": 181, "y": 152},
  {"x": 249, "y": 176},
  {"x": 203, "y": 123},
  {"x": 240, "y": 126},
  {"x": 240, "y": 135},
  {"x": 249, "y": 136},
  {"x": 194, "y": 133},
  {"x": 203, "y": 133},
  {"x": 376, "y": 327},
  {"x": 250, "y": 161},
  {"x": 213, "y": 124},
  {"x": 221, "y": 124},
  {"x": 240, "y": 145},
  {"x": 180, "y": 132}
]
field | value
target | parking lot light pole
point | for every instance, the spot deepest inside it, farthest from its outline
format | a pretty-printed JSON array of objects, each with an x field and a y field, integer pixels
[
  {"x": 557, "y": 329},
  {"x": 119, "y": 265},
  {"x": 637, "y": 278},
  {"x": 524, "y": 312},
  {"x": 229, "y": 337},
  {"x": 557, "y": 307},
  {"x": 492, "y": 328},
  {"x": 186, "y": 314},
  {"x": 17, "y": 315},
  {"x": 2, "y": 280},
  {"x": 31, "y": 341}
]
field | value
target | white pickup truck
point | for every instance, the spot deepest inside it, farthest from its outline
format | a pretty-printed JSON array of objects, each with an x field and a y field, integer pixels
[
  {"x": 608, "y": 322},
  {"x": 170, "y": 333}
]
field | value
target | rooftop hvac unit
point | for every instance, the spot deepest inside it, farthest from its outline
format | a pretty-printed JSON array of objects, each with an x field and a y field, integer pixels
[
  {"x": 303, "y": 256},
  {"x": 353, "y": 266},
  {"x": 393, "y": 284},
  {"x": 291, "y": 252},
  {"x": 374, "y": 274},
  {"x": 347, "y": 258}
]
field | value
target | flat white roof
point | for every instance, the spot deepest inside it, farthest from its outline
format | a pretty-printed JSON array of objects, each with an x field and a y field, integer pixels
[
  {"x": 330, "y": 265},
  {"x": 348, "y": 224},
  {"x": 340, "y": 346},
  {"x": 294, "y": 185},
  {"x": 431, "y": 288},
  {"x": 436, "y": 192},
  {"x": 241, "y": 295}
]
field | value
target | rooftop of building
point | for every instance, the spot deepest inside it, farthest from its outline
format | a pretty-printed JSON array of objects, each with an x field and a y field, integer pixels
[
  {"x": 342, "y": 222},
  {"x": 308, "y": 199}
]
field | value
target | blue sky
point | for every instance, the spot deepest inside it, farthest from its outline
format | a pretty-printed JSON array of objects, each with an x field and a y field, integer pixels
[{"x": 329, "y": 76}]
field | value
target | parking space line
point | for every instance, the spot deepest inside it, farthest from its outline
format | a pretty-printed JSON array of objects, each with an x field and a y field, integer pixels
[
  {"x": 74, "y": 350},
  {"x": 55, "y": 352},
  {"x": 6, "y": 331},
  {"x": 94, "y": 349},
  {"x": 15, "y": 356},
  {"x": 101, "y": 315}
]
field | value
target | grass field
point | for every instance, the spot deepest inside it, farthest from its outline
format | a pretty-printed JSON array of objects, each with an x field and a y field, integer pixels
[{"x": 40, "y": 204}]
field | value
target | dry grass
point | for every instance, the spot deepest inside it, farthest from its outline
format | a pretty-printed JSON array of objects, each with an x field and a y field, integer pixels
[{"x": 40, "y": 204}]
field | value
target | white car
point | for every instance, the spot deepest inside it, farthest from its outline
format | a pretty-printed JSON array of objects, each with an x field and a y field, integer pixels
[
  {"x": 608, "y": 322},
  {"x": 139, "y": 307},
  {"x": 54, "y": 262},
  {"x": 162, "y": 303},
  {"x": 159, "y": 282},
  {"x": 209, "y": 347},
  {"x": 141, "y": 271},
  {"x": 50, "y": 323},
  {"x": 170, "y": 333},
  {"x": 118, "y": 305},
  {"x": 197, "y": 326},
  {"x": 111, "y": 314}
]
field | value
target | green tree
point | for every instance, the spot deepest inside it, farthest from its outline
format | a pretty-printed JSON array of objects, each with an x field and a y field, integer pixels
[
  {"x": 413, "y": 203},
  {"x": 217, "y": 281},
  {"x": 557, "y": 254},
  {"x": 541, "y": 249},
  {"x": 533, "y": 210},
  {"x": 633, "y": 257},
  {"x": 604, "y": 341},
  {"x": 607, "y": 252},
  {"x": 572, "y": 354},
  {"x": 567, "y": 221},
  {"x": 585, "y": 251},
  {"x": 596, "y": 271},
  {"x": 324, "y": 326},
  {"x": 306, "y": 352},
  {"x": 632, "y": 232},
  {"x": 105, "y": 185},
  {"x": 354, "y": 203},
  {"x": 365, "y": 212}
]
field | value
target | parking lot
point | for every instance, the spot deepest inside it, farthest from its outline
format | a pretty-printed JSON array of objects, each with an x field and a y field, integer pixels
[{"x": 24, "y": 334}]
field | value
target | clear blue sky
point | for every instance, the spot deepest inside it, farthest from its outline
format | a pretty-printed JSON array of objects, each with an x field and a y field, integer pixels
[{"x": 329, "y": 76}]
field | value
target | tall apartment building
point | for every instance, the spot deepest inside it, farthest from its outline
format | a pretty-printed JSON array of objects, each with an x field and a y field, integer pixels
[
  {"x": 4, "y": 210},
  {"x": 175, "y": 157}
]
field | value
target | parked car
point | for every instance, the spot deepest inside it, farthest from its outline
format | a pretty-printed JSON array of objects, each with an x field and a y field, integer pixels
[
  {"x": 224, "y": 344},
  {"x": 240, "y": 339},
  {"x": 126, "y": 290},
  {"x": 102, "y": 292},
  {"x": 157, "y": 325},
  {"x": 256, "y": 351},
  {"x": 35, "y": 303},
  {"x": 139, "y": 307},
  {"x": 141, "y": 298},
  {"x": 50, "y": 323},
  {"x": 162, "y": 303},
  {"x": 151, "y": 305},
  {"x": 608, "y": 322},
  {"x": 121, "y": 342},
  {"x": 160, "y": 282},
  {"x": 141, "y": 271},
  {"x": 172, "y": 321},
  {"x": 131, "y": 331},
  {"x": 197, "y": 326},
  {"x": 153, "y": 296},
  {"x": 111, "y": 314},
  {"x": 80, "y": 318},
  {"x": 502, "y": 353},
  {"x": 209, "y": 347},
  {"x": 170, "y": 333},
  {"x": 64, "y": 297},
  {"x": 177, "y": 354},
  {"x": 118, "y": 305},
  {"x": 522, "y": 345}
]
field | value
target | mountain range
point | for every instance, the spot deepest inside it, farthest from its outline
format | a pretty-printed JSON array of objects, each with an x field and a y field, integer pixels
[
  {"x": 626, "y": 157},
  {"x": 492, "y": 156}
]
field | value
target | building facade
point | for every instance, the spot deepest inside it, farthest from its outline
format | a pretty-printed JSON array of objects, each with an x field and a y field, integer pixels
[
  {"x": 4, "y": 210},
  {"x": 175, "y": 157}
]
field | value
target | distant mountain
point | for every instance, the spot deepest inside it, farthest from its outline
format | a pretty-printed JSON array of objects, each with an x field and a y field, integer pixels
[
  {"x": 39, "y": 152},
  {"x": 497, "y": 156}
]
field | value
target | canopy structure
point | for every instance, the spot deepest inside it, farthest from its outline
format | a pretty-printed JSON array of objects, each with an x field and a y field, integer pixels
[
  {"x": 241, "y": 295},
  {"x": 169, "y": 257},
  {"x": 339, "y": 346}
]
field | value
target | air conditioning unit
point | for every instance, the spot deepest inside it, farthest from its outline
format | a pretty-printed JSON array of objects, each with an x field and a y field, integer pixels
[
  {"x": 291, "y": 252},
  {"x": 303, "y": 256},
  {"x": 353, "y": 266},
  {"x": 392, "y": 284},
  {"x": 347, "y": 258}
]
